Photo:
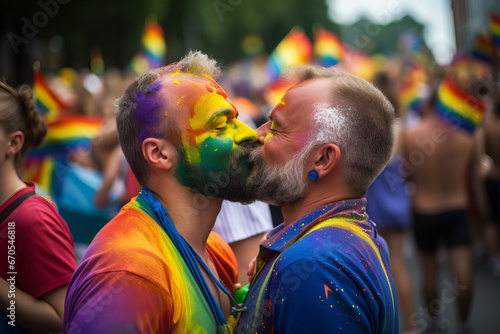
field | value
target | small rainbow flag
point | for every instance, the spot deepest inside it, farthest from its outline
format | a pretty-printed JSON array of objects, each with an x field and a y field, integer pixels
[
  {"x": 49, "y": 105},
  {"x": 458, "y": 107},
  {"x": 410, "y": 91},
  {"x": 358, "y": 63},
  {"x": 67, "y": 134},
  {"x": 276, "y": 90},
  {"x": 153, "y": 48},
  {"x": 328, "y": 49},
  {"x": 294, "y": 49},
  {"x": 495, "y": 29},
  {"x": 483, "y": 47}
]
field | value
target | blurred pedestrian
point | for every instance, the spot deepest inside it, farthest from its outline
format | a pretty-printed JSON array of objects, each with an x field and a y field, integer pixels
[
  {"x": 388, "y": 205},
  {"x": 440, "y": 161},
  {"x": 492, "y": 185}
]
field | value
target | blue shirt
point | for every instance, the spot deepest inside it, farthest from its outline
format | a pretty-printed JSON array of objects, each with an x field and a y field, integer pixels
[{"x": 326, "y": 273}]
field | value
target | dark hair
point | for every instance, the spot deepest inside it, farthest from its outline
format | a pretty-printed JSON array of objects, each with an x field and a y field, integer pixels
[{"x": 19, "y": 113}]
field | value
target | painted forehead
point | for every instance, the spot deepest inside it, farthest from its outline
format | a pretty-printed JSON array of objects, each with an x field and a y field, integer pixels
[
  {"x": 200, "y": 96},
  {"x": 203, "y": 84},
  {"x": 149, "y": 104}
]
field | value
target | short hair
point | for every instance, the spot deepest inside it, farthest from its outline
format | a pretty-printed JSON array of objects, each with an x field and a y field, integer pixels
[
  {"x": 358, "y": 118},
  {"x": 139, "y": 111}
]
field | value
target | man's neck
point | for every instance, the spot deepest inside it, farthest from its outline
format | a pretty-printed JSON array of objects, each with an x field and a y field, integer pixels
[
  {"x": 314, "y": 198},
  {"x": 10, "y": 181},
  {"x": 193, "y": 215}
]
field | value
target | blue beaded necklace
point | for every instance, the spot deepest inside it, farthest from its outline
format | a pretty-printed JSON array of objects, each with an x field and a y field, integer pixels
[{"x": 191, "y": 258}]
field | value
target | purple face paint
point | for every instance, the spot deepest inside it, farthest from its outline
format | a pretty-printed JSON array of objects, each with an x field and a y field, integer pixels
[{"x": 148, "y": 113}]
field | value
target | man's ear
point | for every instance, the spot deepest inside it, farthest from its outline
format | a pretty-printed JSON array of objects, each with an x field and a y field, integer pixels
[
  {"x": 159, "y": 153},
  {"x": 16, "y": 141},
  {"x": 326, "y": 159}
]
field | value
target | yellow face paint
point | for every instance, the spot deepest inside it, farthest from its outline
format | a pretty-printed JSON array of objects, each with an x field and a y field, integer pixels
[
  {"x": 212, "y": 127},
  {"x": 270, "y": 134}
]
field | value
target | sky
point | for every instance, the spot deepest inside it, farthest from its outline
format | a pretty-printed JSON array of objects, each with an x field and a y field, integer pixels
[{"x": 435, "y": 15}]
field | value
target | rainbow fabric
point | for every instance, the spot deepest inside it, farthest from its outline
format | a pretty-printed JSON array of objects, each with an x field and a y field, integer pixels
[
  {"x": 69, "y": 133},
  {"x": 328, "y": 49},
  {"x": 495, "y": 29},
  {"x": 294, "y": 49},
  {"x": 483, "y": 47},
  {"x": 458, "y": 107},
  {"x": 153, "y": 48},
  {"x": 358, "y": 63},
  {"x": 148, "y": 287},
  {"x": 410, "y": 89},
  {"x": 48, "y": 104}
]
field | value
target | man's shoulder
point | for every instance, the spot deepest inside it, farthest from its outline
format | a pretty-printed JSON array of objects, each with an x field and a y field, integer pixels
[
  {"x": 334, "y": 247},
  {"x": 131, "y": 242}
]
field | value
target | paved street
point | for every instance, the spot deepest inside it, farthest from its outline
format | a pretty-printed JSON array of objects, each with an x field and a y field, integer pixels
[{"x": 485, "y": 315}]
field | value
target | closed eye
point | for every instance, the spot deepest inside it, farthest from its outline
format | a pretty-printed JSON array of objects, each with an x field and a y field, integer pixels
[{"x": 221, "y": 129}]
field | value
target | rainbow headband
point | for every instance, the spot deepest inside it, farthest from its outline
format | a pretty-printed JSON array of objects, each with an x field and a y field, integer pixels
[{"x": 458, "y": 107}]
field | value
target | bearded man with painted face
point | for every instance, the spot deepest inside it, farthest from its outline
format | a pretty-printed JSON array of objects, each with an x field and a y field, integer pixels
[
  {"x": 325, "y": 269},
  {"x": 157, "y": 267}
]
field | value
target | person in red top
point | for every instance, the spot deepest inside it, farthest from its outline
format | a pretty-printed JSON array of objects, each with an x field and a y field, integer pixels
[{"x": 37, "y": 255}]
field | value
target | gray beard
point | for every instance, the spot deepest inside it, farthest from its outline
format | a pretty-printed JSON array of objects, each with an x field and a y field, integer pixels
[{"x": 278, "y": 185}]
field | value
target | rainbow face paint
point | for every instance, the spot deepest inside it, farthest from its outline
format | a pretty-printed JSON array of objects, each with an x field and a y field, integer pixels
[
  {"x": 149, "y": 103},
  {"x": 211, "y": 136}
]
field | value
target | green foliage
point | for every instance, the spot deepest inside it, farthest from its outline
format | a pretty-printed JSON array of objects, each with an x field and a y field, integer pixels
[{"x": 216, "y": 27}]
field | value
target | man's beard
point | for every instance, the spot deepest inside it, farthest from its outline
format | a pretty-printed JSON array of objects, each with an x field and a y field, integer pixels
[
  {"x": 278, "y": 185},
  {"x": 230, "y": 184}
]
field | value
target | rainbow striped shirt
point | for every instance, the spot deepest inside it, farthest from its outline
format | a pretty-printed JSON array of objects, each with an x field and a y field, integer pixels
[{"x": 132, "y": 279}]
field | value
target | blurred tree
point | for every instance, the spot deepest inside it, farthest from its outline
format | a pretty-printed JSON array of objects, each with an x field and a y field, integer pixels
[
  {"x": 374, "y": 38},
  {"x": 216, "y": 27}
]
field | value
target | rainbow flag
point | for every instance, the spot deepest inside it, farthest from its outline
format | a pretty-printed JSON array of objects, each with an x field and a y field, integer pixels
[
  {"x": 153, "y": 48},
  {"x": 458, "y": 107},
  {"x": 495, "y": 29},
  {"x": 47, "y": 103},
  {"x": 483, "y": 47},
  {"x": 67, "y": 134},
  {"x": 294, "y": 49},
  {"x": 276, "y": 90},
  {"x": 358, "y": 63},
  {"x": 410, "y": 91},
  {"x": 328, "y": 49}
]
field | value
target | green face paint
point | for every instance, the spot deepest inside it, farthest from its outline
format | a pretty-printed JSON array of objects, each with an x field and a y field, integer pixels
[{"x": 212, "y": 154}]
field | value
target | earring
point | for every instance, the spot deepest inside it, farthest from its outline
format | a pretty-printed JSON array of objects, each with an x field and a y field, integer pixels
[{"x": 313, "y": 175}]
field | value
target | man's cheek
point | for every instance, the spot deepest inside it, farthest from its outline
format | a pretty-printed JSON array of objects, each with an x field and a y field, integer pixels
[
  {"x": 272, "y": 151},
  {"x": 215, "y": 152},
  {"x": 269, "y": 135}
]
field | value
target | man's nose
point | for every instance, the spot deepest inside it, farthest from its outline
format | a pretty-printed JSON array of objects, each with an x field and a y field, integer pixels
[
  {"x": 244, "y": 132},
  {"x": 262, "y": 132}
]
